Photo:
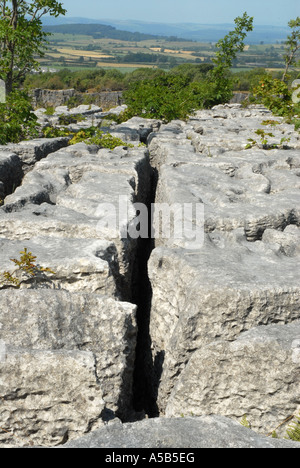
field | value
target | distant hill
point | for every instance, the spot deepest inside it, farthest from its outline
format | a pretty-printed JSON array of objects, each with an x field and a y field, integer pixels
[
  {"x": 189, "y": 31},
  {"x": 99, "y": 31}
]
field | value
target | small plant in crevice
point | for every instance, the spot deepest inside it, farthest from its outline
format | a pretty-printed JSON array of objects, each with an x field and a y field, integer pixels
[
  {"x": 293, "y": 430},
  {"x": 94, "y": 136},
  {"x": 90, "y": 136},
  {"x": 264, "y": 141},
  {"x": 55, "y": 132},
  {"x": 26, "y": 269},
  {"x": 49, "y": 110},
  {"x": 244, "y": 422}
]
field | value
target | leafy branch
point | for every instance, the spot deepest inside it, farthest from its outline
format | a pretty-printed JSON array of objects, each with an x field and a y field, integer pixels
[{"x": 292, "y": 45}]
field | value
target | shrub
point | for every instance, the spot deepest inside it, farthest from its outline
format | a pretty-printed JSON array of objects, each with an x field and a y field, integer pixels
[
  {"x": 17, "y": 120},
  {"x": 166, "y": 97},
  {"x": 54, "y": 132},
  {"x": 275, "y": 95}
]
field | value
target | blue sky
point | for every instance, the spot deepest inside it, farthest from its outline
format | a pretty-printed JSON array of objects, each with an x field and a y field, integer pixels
[{"x": 269, "y": 12}]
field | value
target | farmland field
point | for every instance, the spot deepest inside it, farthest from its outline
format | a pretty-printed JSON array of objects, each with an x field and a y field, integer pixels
[{"x": 88, "y": 51}]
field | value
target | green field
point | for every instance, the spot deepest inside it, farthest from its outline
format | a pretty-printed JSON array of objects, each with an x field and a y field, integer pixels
[{"x": 84, "y": 51}]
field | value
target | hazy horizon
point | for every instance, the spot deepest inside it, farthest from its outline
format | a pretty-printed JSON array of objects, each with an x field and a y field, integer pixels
[
  {"x": 268, "y": 12},
  {"x": 132, "y": 20}
]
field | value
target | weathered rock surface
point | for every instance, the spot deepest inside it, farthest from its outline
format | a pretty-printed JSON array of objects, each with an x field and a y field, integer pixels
[
  {"x": 55, "y": 320},
  {"x": 256, "y": 375},
  {"x": 72, "y": 199},
  {"x": 243, "y": 273},
  {"x": 187, "y": 432},
  {"x": 50, "y": 97},
  {"x": 75, "y": 321},
  {"x": 225, "y": 304},
  {"x": 34, "y": 150},
  {"x": 57, "y": 398}
]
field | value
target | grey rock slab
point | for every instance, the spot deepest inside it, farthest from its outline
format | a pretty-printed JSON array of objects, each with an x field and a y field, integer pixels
[
  {"x": 38, "y": 187},
  {"x": 94, "y": 194},
  {"x": 47, "y": 397},
  {"x": 78, "y": 264},
  {"x": 256, "y": 375},
  {"x": 256, "y": 192},
  {"x": 47, "y": 221},
  {"x": 34, "y": 150},
  {"x": 85, "y": 109},
  {"x": 186, "y": 433},
  {"x": 60, "y": 320},
  {"x": 244, "y": 271},
  {"x": 228, "y": 286},
  {"x": 286, "y": 242},
  {"x": 142, "y": 126},
  {"x": 81, "y": 159}
]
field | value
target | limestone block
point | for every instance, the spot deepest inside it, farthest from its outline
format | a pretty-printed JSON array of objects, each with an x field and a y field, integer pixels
[
  {"x": 58, "y": 320},
  {"x": 186, "y": 433},
  {"x": 222, "y": 290},
  {"x": 257, "y": 375},
  {"x": 78, "y": 264},
  {"x": 47, "y": 397},
  {"x": 32, "y": 151}
]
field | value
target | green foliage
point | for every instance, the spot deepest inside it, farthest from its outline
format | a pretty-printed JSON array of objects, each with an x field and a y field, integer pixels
[
  {"x": 293, "y": 431},
  {"x": 94, "y": 136},
  {"x": 166, "y": 97},
  {"x": 22, "y": 38},
  {"x": 67, "y": 119},
  {"x": 82, "y": 80},
  {"x": 292, "y": 45},
  {"x": 264, "y": 142},
  {"x": 26, "y": 269},
  {"x": 17, "y": 120},
  {"x": 104, "y": 31},
  {"x": 56, "y": 132},
  {"x": 275, "y": 95},
  {"x": 175, "y": 95},
  {"x": 245, "y": 422},
  {"x": 247, "y": 80},
  {"x": 227, "y": 50},
  {"x": 50, "y": 110}
]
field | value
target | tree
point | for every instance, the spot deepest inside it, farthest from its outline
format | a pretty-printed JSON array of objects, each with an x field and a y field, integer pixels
[
  {"x": 232, "y": 43},
  {"x": 292, "y": 45},
  {"x": 22, "y": 38},
  {"x": 227, "y": 50}
]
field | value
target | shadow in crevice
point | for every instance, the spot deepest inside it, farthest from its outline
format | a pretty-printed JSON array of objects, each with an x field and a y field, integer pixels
[{"x": 145, "y": 378}]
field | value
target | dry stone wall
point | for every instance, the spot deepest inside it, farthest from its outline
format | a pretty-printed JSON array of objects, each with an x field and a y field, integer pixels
[
  {"x": 107, "y": 336},
  {"x": 55, "y": 98}
]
